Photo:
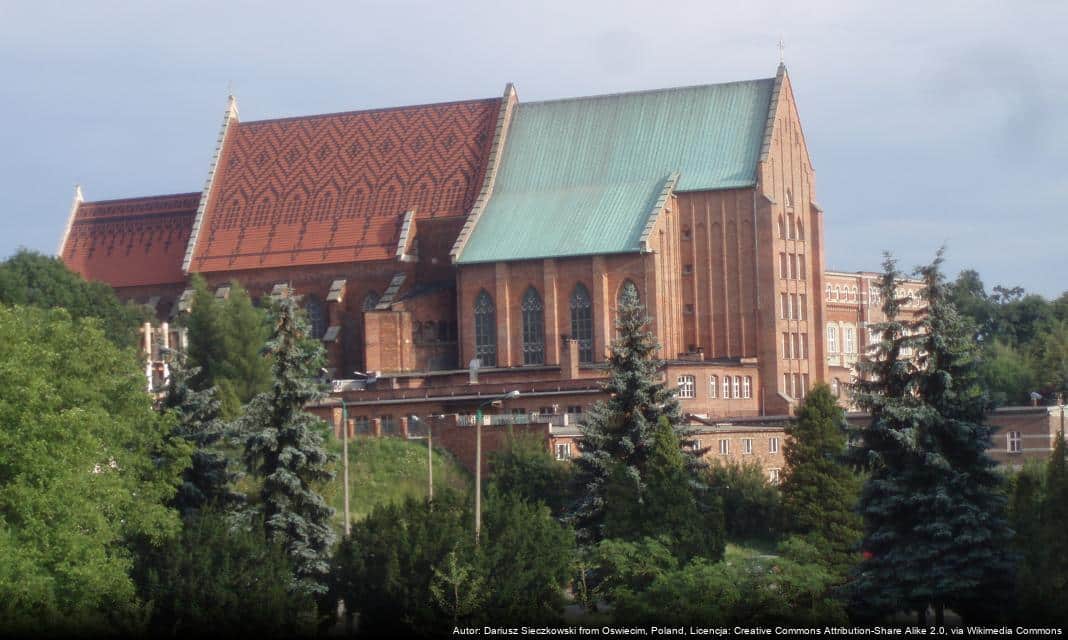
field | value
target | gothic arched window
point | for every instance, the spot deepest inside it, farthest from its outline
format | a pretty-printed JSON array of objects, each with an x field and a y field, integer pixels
[
  {"x": 582, "y": 322},
  {"x": 628, "y": 288},
  {"x": 533, "y": 328},
  {"x": 316, "y": 317},
  {"x": 485, "y": 330}
]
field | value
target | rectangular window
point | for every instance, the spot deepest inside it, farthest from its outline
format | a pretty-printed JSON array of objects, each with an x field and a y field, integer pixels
[
  {"x": 795, "y": 388},
  {"x": 801, "y": 267},
  {"x": 712, "y": 383},
  {"x": 726, "y": 387},
  {"x": 695, "y": 446},
  {"x": 773, "y": 476},
  {"x": 784, "y": 308},
  {"x": 800, "y": 315},
  {"x": 796, "y": 348},
  {"x": 563, "y": 450},
  {"x": 575, "y": 408},
  {"x": 388, "y": 426},
  {"x": 783, "y": 268},
  {"x": 773, "y": 445},
  {"x": 724, "y": 447},
  {"x": 786, "y": 346},
  {"x": 747, "y": 446},
  {"x": 793, "y": 266},
  {"x": 747, "y": 387},
  {"x": 737, "y": 386},
  {"x": 687, "y": 387},
  {"x": 786, "y": 383},
  {"x": 546, "y": 411},
  {"x": 363, "y": 425},
  {"x": 804, "y": 385},
  {"x": 1015, "y": 441}
]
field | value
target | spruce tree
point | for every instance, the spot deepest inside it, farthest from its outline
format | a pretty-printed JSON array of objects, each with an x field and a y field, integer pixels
[
  {"x": 619, "y": 436},
  {"x": 819, "y": 491},
  {"x": 208, "y": 479},
  {"x": 667, "y": 507},
  {"x": 284, "y": 447},
  {"x": 935, "y": 529}
]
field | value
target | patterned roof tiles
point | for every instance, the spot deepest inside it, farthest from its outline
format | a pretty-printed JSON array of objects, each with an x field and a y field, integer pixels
[
  {"x": 334, "y": 188},
  {"x": 133, "y": 241}
]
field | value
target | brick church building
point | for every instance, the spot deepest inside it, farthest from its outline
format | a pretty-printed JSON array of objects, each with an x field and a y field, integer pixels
[{"x": 449, "y": 253}]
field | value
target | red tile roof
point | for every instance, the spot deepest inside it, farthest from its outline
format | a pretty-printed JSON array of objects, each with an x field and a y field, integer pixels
[
  {"x": 131, "y": 242},
  {"x": 334, "y": 188}
]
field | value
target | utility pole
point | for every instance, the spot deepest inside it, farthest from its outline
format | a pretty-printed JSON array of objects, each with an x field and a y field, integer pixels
[
  {"x": 345, "y": 465},
  {"x": 478, "y": 456}
]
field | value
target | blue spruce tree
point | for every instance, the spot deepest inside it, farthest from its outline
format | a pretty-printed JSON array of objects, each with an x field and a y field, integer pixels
[
  {"x": 284, "y": 447},
  {"x": 935, "y": 531}
]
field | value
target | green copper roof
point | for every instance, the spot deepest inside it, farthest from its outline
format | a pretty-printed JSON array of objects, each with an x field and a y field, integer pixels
[{"x": 581, "y": 176}]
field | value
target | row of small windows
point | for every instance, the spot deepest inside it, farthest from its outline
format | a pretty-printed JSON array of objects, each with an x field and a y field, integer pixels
[
  {"x": 791, "y": 228},
  {"x": 794, "y": 346},
  {"x": 747, "y": 446},
  {"x": 791, "y": 266},
  {"x": 733, "y": 387},
  {"x": 848, "y": 293},
  {"x": 848, "y": 345},
  {"x": 838, "y": 293},
  {"x": 795, "y": 385},
  {"x": 792, "y": 306},
  {"x": 533, "y": 329}
]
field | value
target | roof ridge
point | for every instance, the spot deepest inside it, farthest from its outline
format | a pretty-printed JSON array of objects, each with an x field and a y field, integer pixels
[
  {"x": 647, "y": 91},
  {"x": 156, "y": 197},
  {"x": 335, "y": 114}
]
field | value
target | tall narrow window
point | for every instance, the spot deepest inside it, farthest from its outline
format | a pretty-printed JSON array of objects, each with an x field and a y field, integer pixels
[
  {"x": 726, "y": 387},
  {"x": 801, "y": 307},
  {"x": 712, "y": 382},
  {"x": 747, "y": 387},
  {"x": 737, "y": 386},
  {"x": 782, "y": 228},
  {"x": 784, "y": 270},
  {"x": 485, "y": 330},
  {"x": 316, "y": 317},
  {"x": 800, "y": 229},
  {"x": 628, "y": 288},
  {"x": 784, "y": 307},
  {"x": 832, "y": 338},
  {"x": 533, "y": 328},
  {"x": 582, "y": 322},
  {"x": 850, "y": 342}
]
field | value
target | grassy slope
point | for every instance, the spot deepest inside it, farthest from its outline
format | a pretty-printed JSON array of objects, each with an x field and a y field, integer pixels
[{"x": 384, "y": 470}]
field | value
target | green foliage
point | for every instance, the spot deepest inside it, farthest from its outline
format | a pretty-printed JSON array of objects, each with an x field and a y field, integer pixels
[
  {"x": 1024, "y": 338},
  {"x": 456, "y": 588},
  {"x": 526, "y": 468},
  {"x": 403, "y": 565},
  {"x": 1008, "y": 374},
  {"x": 525, "y": 556},
  {"x": 384, "y": 570},
  {"x": 752, "y": 507},
  {"x": 1040, "y": 515},
  {"x": 618, "y": 437},
  {"x": 226, "y": 342},
  {"x": 666, "y": 506},
  {"x": 934, "y": 508},
  {"x": 220, "y": 579},
  {"x": 819, "y": 492},
  {"x": 647, "y": 586},
  {"x": 208, "y": 479},
  {"x": 284, "y": 447},
  {"x": 31, "y": 279},
  {"x": 85, "y": 466}
]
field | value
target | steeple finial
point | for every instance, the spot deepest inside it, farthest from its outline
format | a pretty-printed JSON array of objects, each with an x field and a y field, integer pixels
[{"x": 782, "y": 51}]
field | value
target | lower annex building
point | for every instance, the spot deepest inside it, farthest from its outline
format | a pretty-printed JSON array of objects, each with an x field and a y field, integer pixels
[{"x": 449, "y": 253}]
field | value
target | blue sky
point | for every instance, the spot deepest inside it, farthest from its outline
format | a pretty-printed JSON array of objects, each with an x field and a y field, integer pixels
[{"x": 928, "y": 123}]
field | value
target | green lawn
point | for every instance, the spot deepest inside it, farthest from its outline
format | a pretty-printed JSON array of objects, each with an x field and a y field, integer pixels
[{"x": 385, "y": 470}]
